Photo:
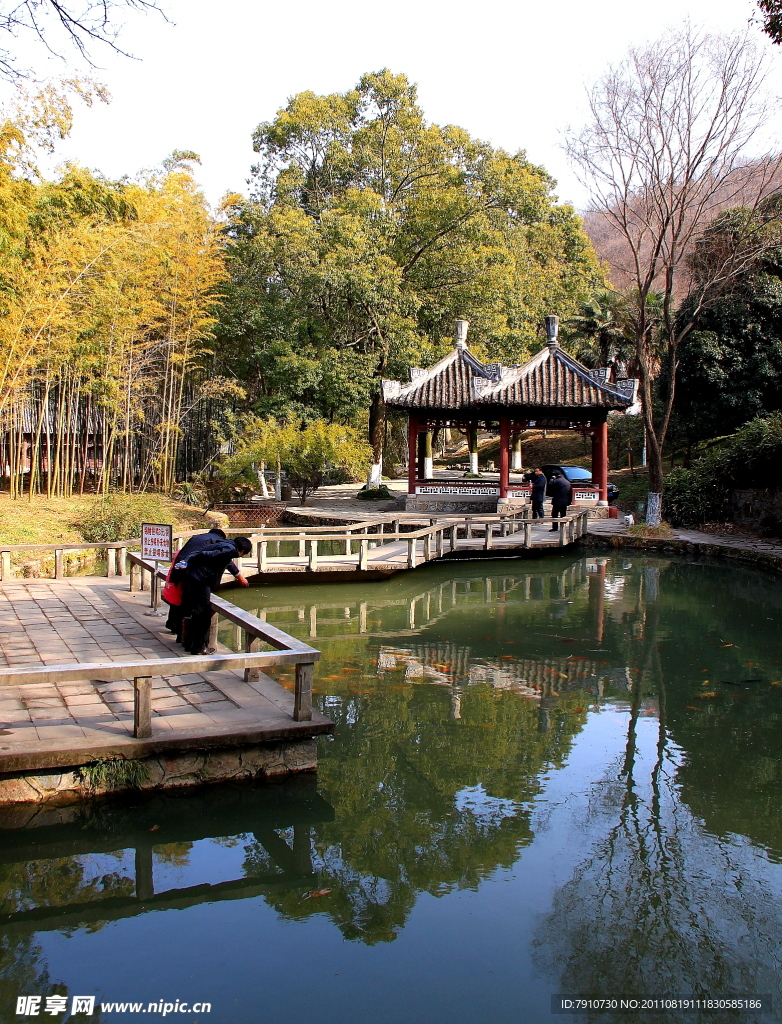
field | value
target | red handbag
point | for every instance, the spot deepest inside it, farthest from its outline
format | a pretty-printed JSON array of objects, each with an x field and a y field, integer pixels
[{"x": 172, "y": 592}]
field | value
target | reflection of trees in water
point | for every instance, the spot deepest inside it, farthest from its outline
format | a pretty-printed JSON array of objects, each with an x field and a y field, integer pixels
[
  {"x": 661, "y": 907},
  {"x": 50, "y": 883},
  {"x": 425, "y": 803}
]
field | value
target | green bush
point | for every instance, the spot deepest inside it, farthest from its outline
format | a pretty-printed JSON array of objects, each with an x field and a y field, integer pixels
[
  {"x": 751, "y": 458},
  {"x": 381, "y": 493},
  {"x": 119, "y": 517}
]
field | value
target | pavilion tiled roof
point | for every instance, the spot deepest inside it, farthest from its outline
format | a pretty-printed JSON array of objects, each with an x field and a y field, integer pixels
[
  {"x": 552, "y": 379},
  {"x": 449, "y": 384},
  {"x": 555, "y": 380}
]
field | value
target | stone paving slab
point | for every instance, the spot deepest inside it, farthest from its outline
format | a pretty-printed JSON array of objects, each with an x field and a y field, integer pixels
[{"x": 93, "y": 619}]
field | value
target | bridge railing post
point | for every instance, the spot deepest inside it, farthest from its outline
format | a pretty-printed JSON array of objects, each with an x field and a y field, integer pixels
[
  {"x": 302, "y": 697},
  {"x": 252, "y": 645},
  {"x": 263, "y": 560},
  {"x": 362, "y": 556},
  {"x": 142, "y": 707},
  {"x": 58, "y": 564},
  {"x": 411, "y": 554},
  {"x": 313, "y": 563}
]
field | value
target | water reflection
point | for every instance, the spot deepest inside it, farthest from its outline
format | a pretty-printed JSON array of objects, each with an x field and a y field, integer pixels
[{"x": 462, "y": 701}]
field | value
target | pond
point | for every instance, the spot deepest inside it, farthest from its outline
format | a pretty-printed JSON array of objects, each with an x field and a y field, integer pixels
[{"x": 549, "y": 776}]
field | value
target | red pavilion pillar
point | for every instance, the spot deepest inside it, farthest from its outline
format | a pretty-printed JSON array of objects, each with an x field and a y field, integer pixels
[
  {"x": 412, "y": 453},
  {"x": 600, "y": 458},
  {"x": 504, "y": 455}
]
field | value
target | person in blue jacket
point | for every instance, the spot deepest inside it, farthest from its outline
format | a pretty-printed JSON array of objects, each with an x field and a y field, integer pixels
[
  {"x": 538, "y": 495},
  {"x": 203, "y": 571},
  {"x": 196, "y": 543},
  {"x": 561, "y": 495}
]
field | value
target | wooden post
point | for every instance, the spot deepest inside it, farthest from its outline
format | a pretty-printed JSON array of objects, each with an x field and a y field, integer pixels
[
  {"x": 527, "y": 534},
  {"x": 362, "y": 558},
  {"x": 313, "y": 564},
  {"x": 302, "y": 545},
  {"x": 142, "y": 707},
  {"x": 427, "y": 547},
  {"x": 347, "y": 543},
  {"x": 5, "y": 565},
  {"x": 252, "y": 645},
  {"x": 111, "y": 561},
  {"x": 411, "y": 554},
  {"x": 454, "y": 533},
  {"x": 237, "y": 638},
  {"x": 467, "y": 528},
  {"x": 439, "y": 541},
  {"x": 302, "y": 699},
  {"x": 58, "y": 564},
  {"x": 263, "y": 547},
  {"x": 562, "y": 528},
  {"x": 122, "y": 564},
  {"x": 487, "y": 538},
  {"x": 212, "y": 641}
]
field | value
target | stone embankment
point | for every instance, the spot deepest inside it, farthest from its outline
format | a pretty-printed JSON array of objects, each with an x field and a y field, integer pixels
[{"x": 755, "y": 551}]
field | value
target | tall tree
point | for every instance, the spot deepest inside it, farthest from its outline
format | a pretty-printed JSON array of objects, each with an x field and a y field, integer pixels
[
  {"x": 370, "y": 232},
  {"x": 664, "y": 149}
]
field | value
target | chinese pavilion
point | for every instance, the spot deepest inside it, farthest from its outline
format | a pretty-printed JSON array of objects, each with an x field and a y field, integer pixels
[{"x": 552, "y": 390}]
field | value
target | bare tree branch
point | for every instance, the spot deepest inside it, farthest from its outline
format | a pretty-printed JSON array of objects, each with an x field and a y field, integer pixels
[
  {"x": 667, "y": 147},
  {"x": 57, "y": 24}
]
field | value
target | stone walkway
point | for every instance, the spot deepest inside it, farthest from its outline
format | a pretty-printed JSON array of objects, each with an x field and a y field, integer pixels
[
  {"x": 739, "y": 542},
  {"x": 92, "y": 619}
]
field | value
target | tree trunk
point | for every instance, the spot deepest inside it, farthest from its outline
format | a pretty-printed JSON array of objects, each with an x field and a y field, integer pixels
[{"x": 377, "y": 424}]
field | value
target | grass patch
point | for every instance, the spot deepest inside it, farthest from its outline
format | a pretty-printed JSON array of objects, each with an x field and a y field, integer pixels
[
  {"x": 642, "y": 530},
  {"x": 113, "y": 773},
  {"x": 42, "y": 520}
]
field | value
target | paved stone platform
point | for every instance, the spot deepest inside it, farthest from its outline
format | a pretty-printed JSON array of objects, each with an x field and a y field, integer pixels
[{"x": 91, "y": 619}]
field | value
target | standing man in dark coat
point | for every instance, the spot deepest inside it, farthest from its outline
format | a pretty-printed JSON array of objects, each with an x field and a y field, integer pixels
[
  {"x": 561, "y": 492},
  {"x": 538, "y": 492},
  {"x": 196, "y": 543},
  {"x": 203, "y": 571}
]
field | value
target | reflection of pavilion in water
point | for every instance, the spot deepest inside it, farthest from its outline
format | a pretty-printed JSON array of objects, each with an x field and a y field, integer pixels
[{"x": 454, "y": 665}]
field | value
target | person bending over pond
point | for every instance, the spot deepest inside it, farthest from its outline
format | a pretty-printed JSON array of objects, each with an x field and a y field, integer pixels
[
  {"x": 191, "y": 547},
  {"x": 203, "y": 571}
]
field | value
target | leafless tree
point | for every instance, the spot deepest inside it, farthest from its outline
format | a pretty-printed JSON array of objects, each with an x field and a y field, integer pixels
[
  {"x": 666, "y": 148},
  {"x": 54, "y": 23}
]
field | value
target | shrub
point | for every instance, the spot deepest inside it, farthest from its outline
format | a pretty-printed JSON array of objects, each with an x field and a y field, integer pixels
[
  {"x": 119, "y": 517},
  {"x": 381, "y": 493},
  {"x": 749, "y": 459}
]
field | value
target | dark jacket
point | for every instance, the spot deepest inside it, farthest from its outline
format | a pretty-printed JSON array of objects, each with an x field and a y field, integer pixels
[
  {"x": 539, "y": 486},
  {"x": 560, "y": 491},
  {"x": 208, "y": 565},
  {"x": 198, "y": 543}
]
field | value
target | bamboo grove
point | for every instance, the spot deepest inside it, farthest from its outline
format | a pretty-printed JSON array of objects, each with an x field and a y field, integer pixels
[{"x": 107, "y": 292}]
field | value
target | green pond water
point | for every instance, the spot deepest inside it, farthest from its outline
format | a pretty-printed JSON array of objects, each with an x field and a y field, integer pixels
[{"x": 549, "y": 776}]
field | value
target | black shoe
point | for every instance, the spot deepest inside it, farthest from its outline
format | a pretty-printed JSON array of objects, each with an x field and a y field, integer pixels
[{"x": 553, "y": 529}]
